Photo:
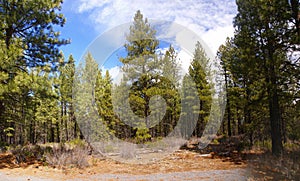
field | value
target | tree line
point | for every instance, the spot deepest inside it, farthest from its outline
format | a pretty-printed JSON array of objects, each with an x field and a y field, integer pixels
[
  {"x": 147, "y": 73},
  {"x": 260, "y": 66},
  {"x": 37, "y": 104}
]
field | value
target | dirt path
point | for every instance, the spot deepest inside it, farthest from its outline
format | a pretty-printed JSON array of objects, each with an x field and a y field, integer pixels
[{"x": 235, "y": 174}]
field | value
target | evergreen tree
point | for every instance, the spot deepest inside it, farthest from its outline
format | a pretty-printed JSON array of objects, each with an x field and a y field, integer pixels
[
  {"x": 46, "y": 112},
  {"x": 68, "y": 123},
  {"x": 103, "y": 93},
  {"x": 85, "y": 101},
  {"x": 244, "y": 88},
  {"x": 190, "y": 107},
  {"x": 198, "y": 71},
  {"x": 265, "y": 31},
  {"x": 140, "y": 66},
  {"x": 30, "y": 26},
  {"x": 27, "y": 41}
]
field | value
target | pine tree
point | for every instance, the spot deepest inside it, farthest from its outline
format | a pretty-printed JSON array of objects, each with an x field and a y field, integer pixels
[
  {"x": 170, "y": 86},
  {"x": 190, "y": 107},
  {"x": 47, "y": 108},
  {"x": 238, "y": 83},
  {"x": 27, "y": 41},
  {"x": 153, "y": 77},
  {"x": 68, "y": 123},
  {"x": 103, "y": 97},
  {"x": 30, "y": 26},
  {"x": 7, "y": 87},
  {"x": 85, "y": 101},
  {"x": 199, "y": 72},
  {"x": 140, "y": 67},
  {"x": 265, "y": 32}
]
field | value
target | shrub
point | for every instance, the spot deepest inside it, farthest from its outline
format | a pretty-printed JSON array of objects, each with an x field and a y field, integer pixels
[
  {"x": 62, "y": 156},
  {"x": 19, "y": 154},
  {"x": 27, "y": 153}
]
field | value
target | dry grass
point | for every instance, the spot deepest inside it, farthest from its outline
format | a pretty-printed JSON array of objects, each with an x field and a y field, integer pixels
[{"x": 62, "y": 156}]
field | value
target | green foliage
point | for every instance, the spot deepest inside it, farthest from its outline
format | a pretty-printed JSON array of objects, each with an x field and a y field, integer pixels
[
  {"x": 32, "y": 23},
  {"x": 103, "y": 93},
  {"x": 9, "y": 131},
  {"x": 151, "y": 75},
  {"x": 259, "y": 64},
  {"x": 29, "y": 50},
  {"x": 140, "y": 63},
  {"x": 142, "y": 135},
  {"x": 86, "y": 100},
  {"x": 199, "y": 72},
  {"x": 259, "y": 73},
  {"x": 215, "y": 141}
]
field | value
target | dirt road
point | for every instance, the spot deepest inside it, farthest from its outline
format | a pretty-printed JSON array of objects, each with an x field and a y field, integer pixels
[{"x": 228, "y": 175}]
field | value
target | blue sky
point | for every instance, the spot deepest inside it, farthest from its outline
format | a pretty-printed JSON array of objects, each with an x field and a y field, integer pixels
[{"x": 87, "y": 19}]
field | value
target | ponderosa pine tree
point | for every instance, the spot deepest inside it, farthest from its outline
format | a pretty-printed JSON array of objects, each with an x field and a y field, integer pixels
[
  {"x": 199, "y": 72},
  {"x": 30, "y": 26},
  {"x": 269, "y": 28},
  {"x": 140, "y": 66},
  {"x": 244, "y": 89},
  {"x": 170, "y": 86},
  {"x": 46, "y": 112},
  {"x": 152, "y": 77},
  {"x": 103, "y": 98},
  {"x": 66, "y": 80},
  {"x": 86, "y": 101},
  {"x": 28, "y": 40}
]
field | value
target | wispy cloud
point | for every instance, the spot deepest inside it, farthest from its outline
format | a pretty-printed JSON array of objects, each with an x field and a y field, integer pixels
[{"x": 210, "y": 19}]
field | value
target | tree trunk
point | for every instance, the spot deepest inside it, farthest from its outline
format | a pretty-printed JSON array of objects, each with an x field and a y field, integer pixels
[
  {"x": 57, "y": 132},
  {"x": 227, "y": 104},
  {"x": 274, "y": 109},
  {"x": 62, "y": 121},
  {"x": 73, "y": 119},
  {"x": 31, "y": 132},
  {"x": 239, "y": 122},
  {"x": 66, "y": 121},
  {"x": 275, "y": 120},
  {"x": 75, "y": 129},
  {"x": 45, "y": 133},
  {"x": 52, "y": 132}
]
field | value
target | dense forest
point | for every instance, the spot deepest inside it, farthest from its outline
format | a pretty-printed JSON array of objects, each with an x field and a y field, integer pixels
[{"x": 260, "y": 66}]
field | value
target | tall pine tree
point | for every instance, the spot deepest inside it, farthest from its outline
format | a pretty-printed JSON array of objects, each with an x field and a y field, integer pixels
[{"x": 199, "y": 72}]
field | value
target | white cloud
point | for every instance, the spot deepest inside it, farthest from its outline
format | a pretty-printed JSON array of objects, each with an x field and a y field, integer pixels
[
  {"x": 114, "y": 72},
  {"x": 210, "y": 19},
  {"x": 185, "y": 60},
  {"x": 91, "y": 4},
  {"x": 217, "y": 36}
]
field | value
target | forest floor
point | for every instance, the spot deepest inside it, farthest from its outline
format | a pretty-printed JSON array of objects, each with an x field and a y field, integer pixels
[{"x": 185, "y": 164}]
